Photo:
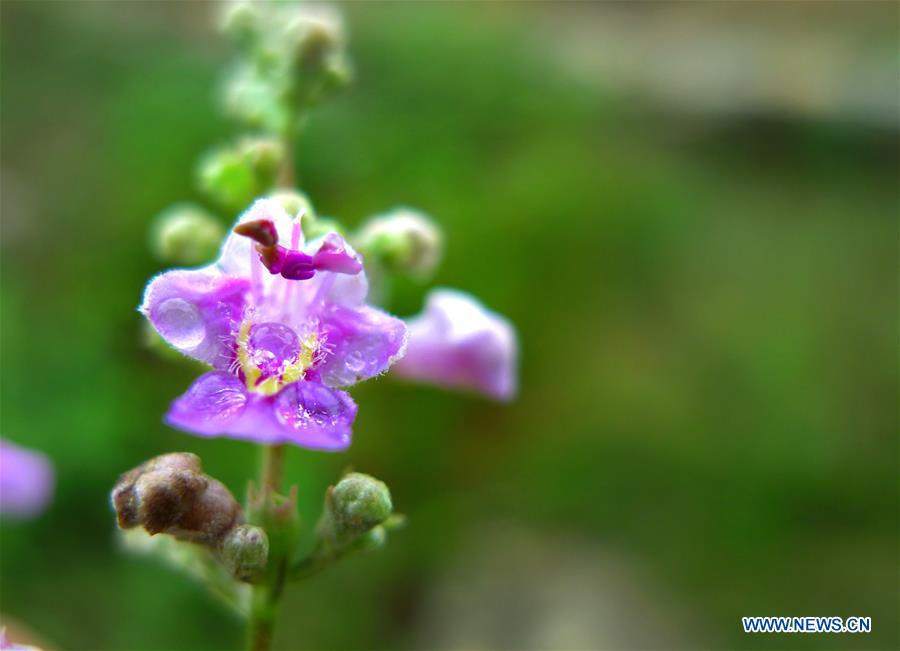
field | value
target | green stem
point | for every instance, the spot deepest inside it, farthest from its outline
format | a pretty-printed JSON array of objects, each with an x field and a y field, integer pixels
[
  {"x": 272, "y": 468},
  {"x": 286, "y": 175},
  {"x": 266, "y": 598},
  {"x": 267, "y": 595}
]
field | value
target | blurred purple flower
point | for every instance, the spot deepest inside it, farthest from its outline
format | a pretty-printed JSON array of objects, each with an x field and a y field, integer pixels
[
  {"x": 458, "y": 343},
  {"x": 7, "y": 645},
  {"x": 26, "y": 481},
  {"x": 282, "y": 327}
]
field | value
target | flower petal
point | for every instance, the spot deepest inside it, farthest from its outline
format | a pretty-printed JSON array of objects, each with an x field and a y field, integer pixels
[
  {"x": 312, "y": 415},
  {"x": 334, "y": 254},
  {"x": 213, "y": 403},
  {"x": 458, "y": 343},
  {"x": 197, "y": 312},
  {"x": 305, "y": 413},
  {"x": 361, "y": 343},
  {"x": 26, "y": 481}
]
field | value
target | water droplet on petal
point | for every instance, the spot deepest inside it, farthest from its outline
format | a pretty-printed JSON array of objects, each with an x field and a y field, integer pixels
[
  {"x": 355, "y": 362},
  {"x": 216, "y": 395},
  {"x": 180, "y": 322},
  {"x": 271, "y": 345},
  {"x": 306, "y": 404}
]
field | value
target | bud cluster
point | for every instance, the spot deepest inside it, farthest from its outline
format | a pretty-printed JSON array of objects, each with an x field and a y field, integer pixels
[
  {"x": 170, "y": 494},
  {"x": 291, "y": 57}
]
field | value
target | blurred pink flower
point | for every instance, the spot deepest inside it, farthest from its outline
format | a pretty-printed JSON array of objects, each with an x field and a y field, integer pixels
[
  {"x": 26, "y": 481},
  {"x": 458, "y": 343}
]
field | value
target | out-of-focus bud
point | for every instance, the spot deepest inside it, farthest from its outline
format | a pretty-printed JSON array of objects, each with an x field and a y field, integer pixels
[
  {"x": 186, "y": 234},
  {"x": 240, "y": 20},
  {"x": 264, "y": 155},
  {"x": 245, "y": 552},
  {"x": 256, "y": 99},
  {"x": 375, "y": 538},
  {"x": 357, "y": 504},
  {"x": 315, "y": 34},
  {"x": 171, "y": 494},
  {"x": 228, "y": 178},
  {"x": 295, "y": 203},
  {"x": 234, "y": 176},
  {"x": 402, "y": 241}
]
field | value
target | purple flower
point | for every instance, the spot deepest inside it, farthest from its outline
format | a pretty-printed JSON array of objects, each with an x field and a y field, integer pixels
[
  {"x": 457, "y": 342},
  {"x": 26, "y": 481},
  {"x": 7, "y": 645},
  {"x": 283, "y": 325}
]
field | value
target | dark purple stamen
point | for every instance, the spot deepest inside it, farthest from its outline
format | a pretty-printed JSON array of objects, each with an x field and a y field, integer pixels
[
  {"x": 298, "y": 266},
  {"x": 295, "y": 265}
]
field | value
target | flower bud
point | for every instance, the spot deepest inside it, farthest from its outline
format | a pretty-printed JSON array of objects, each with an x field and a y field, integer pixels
[
  {"x": 314, "y": 34},
  {"x": 228, "y": 178},
  {"x": 170, "y": 494},
  {"x": 245, "y": 551},
  {"x": 295, "y": 203},
  {"x": 255, "y": 99},
  {"x": 357, "y": 504},
  {"x": 240, "y": 20},
  {"x": 404, "y": 241},
  {"x": 186, "y": 235},
  {"x": 375, "y": 538},
  {"x": 264, "y": 156}
]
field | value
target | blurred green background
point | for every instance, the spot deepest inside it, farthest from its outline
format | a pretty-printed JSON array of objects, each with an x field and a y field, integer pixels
[{"x": 688, "y": 210}]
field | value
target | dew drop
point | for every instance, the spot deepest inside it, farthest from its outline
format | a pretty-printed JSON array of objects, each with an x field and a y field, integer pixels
[
  {"x": 271, "y": 345},
  {"x": 355, "y": 362},
  {"x": 303, "y": 405},
  {"x": 180, "y": 322},
  {"x": 216, "y": 395}
]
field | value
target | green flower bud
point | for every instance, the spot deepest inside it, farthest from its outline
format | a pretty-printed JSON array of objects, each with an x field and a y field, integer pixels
[
  {"x": 314, "y": 35},
  {"x": 357, "y": 504},
  {"x": 186, "y": 235},
  {"x": 256, "y": 99},
  {"x": 245, "y": 552},
  {"x": 234, "y": 176},
  {"x": 240, "y": 20},
  {"x": 264, "y": 156},
  {"x": 402, "y": 241},
  {"x": 375, "y": 538},
  {"x": 295, "y": 203},
  {"x": 228, "y": 178}
]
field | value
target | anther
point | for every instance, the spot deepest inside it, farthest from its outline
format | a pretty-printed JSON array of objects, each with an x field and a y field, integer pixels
[{"x": 261, "y": 231}]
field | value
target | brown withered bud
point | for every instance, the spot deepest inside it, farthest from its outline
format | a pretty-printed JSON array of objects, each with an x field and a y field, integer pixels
[{"x": 170, "y": 494}]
